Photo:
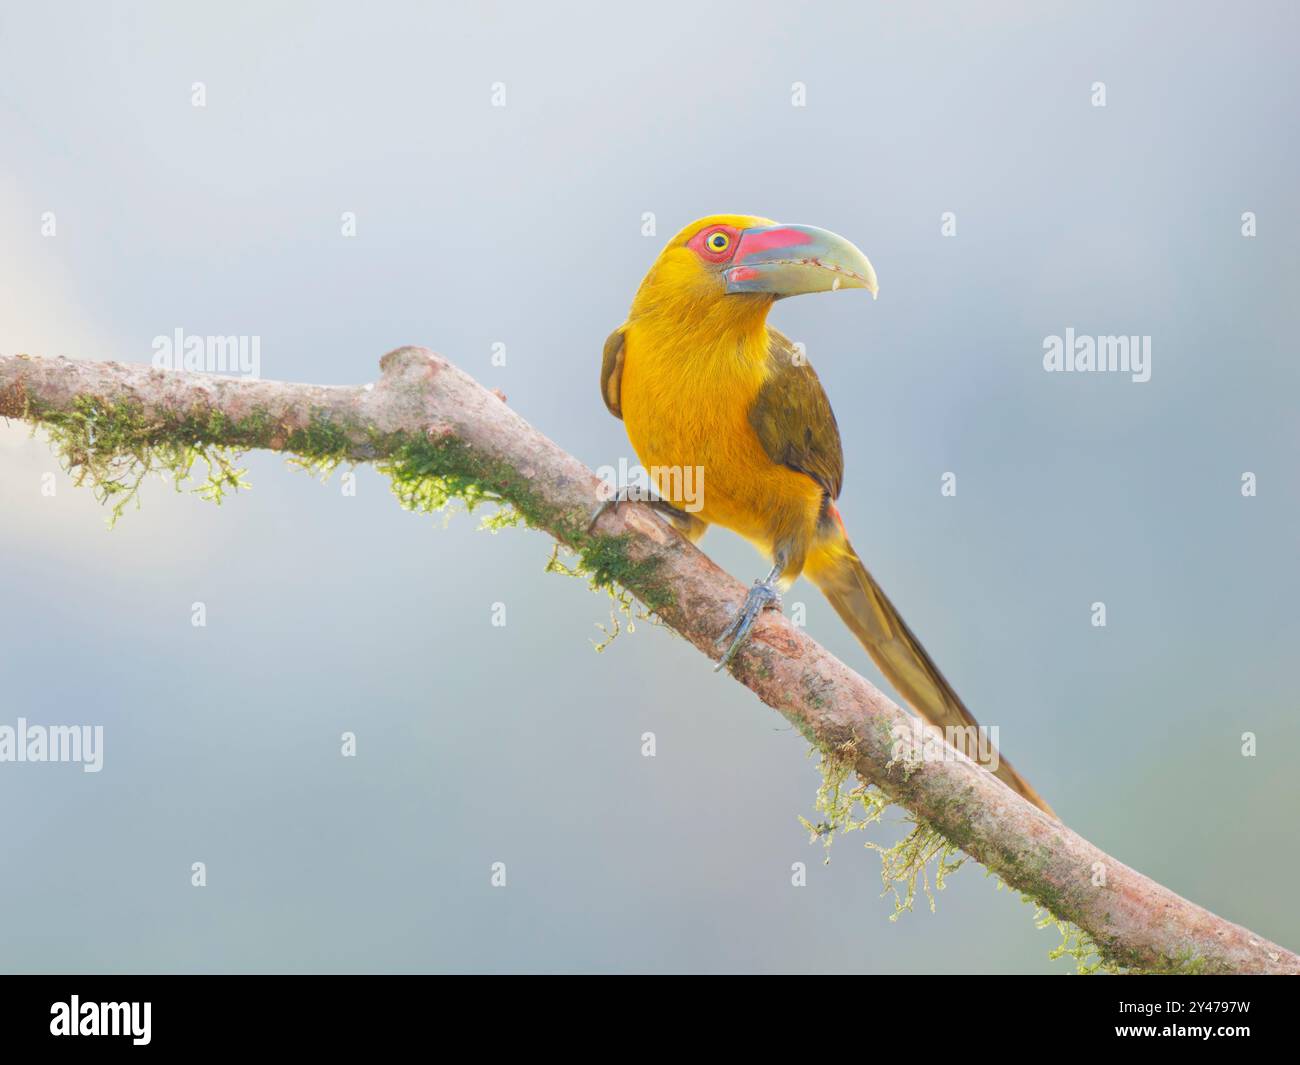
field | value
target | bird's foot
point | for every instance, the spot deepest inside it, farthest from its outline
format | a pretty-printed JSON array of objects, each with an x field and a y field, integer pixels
[
  {"x": 762, "y": 596},
  {"x": 601, "y": 511},
  {"x": 681, "y": 521},
  {"x": 625, "y": 494}
]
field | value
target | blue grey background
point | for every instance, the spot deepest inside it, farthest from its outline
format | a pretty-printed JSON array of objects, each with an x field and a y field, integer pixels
[{"x": 522, "y": 225}]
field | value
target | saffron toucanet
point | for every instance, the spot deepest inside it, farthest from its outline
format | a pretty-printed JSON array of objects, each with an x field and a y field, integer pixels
[{"x": 701, "y": 382}]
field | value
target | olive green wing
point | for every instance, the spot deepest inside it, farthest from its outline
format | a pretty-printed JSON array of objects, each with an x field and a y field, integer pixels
[
  {"x": 794, "y": 420},
  {"x": 611, "y": 373}
]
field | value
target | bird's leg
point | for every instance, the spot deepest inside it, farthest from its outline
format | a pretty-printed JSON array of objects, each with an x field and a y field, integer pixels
[{"x": 762, "y": 596}]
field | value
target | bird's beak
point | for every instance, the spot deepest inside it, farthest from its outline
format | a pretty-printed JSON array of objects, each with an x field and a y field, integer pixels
[{"x": 792, "y": 260}]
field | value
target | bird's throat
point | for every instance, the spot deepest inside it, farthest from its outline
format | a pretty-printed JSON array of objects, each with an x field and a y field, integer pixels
[{"x": 721, "y": 338}]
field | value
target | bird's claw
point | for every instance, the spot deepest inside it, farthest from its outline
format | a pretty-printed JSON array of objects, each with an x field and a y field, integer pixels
[
  {"x": 635, "y": 494},
  {"x": 762, "y": 596},
  {"x": 601, "y": 511},
  {"x": 625, "y": 494}
]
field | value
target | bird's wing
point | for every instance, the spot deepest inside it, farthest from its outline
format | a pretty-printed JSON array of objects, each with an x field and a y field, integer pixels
[
  {"x": 793, "y": 417},
  {"x": 611, "y": 373}
]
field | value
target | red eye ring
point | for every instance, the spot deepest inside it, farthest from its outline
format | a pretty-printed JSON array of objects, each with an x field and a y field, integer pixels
[{"x": 716, "y": 244}]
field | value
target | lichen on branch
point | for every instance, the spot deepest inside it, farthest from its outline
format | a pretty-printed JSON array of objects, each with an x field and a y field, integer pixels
[{"x": 113, "y": 447}]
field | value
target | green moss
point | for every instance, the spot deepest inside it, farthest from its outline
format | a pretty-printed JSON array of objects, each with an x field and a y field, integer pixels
[
  {"x": 428, "y": 476},
  {"x": 114, "y": 447},
  {"x": 431, "y": 475},
  {"x": 924, "y": 857},
  {"x": 1076, "y": 944},
  {"x": 430, "y": 479},
  {"x": 622, "y": 611},
  {"x": 608, "y": 561},
  {"x": 1091, "y": 957},
  {"x": 321, "y": 442}
]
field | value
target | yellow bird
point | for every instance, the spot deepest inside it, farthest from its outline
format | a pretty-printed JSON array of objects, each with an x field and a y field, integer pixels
[{"x": 703, "y": 384}]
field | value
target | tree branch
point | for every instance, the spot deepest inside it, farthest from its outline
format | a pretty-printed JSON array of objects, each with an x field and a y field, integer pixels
[{"x": 428, "y": 418}]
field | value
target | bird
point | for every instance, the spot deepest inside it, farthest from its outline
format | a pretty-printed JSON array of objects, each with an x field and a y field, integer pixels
[{"x": 702, "y": 382}]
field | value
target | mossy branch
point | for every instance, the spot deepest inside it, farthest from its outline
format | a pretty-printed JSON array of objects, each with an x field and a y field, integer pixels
[{"x": 440, "y": 436}]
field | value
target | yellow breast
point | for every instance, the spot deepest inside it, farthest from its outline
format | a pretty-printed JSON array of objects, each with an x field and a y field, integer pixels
[{"x": 686, "y": 407}]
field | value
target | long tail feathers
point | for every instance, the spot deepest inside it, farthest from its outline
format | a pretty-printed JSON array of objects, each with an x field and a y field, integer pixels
[{"x": 836, "y": 569}]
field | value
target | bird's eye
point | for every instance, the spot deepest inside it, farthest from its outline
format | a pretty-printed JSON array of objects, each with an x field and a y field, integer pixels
[{"x": 717, "y": 242}]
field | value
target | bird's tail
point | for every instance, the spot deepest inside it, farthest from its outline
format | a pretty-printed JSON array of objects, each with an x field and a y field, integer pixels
[{"x": 836, "y": 569}]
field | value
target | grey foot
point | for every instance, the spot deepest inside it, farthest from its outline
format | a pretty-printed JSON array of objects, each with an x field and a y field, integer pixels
[{"x": 762, "y": 596}]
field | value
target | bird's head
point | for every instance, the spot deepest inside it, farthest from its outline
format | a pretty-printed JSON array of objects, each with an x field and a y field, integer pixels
[{"x": 739, "y": 264}]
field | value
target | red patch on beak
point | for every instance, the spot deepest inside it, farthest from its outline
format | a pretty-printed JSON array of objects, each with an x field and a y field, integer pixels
[
  {"x": 753, "y": 241},
  {"x": 742, "y": 273}
]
